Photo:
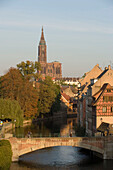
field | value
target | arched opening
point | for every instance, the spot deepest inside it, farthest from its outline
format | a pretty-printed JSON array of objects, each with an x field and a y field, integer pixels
[{"x": 58, "y": 157}]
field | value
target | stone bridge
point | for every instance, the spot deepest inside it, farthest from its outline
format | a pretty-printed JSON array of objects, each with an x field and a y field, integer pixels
[{"x": 101, "y": 145}]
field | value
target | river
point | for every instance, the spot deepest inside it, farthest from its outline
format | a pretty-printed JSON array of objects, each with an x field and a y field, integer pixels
[{"x": 57, "y": 158}]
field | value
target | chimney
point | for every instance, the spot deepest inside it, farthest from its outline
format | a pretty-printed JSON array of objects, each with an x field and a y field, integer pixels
[{"x": 109, "y": 67}]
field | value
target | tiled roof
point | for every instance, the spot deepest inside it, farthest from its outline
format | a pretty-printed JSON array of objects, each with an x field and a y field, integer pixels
[
  {"x": 100, "y": 92},
  {"x": 67, "y": 97},
  {"x": 102, "y": 74},
  {"x": 103, "y": 126}
]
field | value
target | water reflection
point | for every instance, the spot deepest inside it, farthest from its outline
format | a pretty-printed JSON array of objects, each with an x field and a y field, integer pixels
[
  {"x": 61, "y": 158},
  {"x": 56, "y": 157},
  {"x": 53, "y": 128}
]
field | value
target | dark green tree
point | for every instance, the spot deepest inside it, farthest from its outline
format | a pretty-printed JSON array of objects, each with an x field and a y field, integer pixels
[
  {"x": 49, "y": 96},
  {"x": 56, "y": 104}
]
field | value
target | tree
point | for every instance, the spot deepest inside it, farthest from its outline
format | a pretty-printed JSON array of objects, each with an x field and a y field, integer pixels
[
  {"x": 28, "y": 99},
  {"x": 11, "y": 83},
  {"x": 29, "y": 69},
  {"x": 56, "y": 104},
  {"x": 15, "y": 87},
  {"x": 48, "y": 96},
  {"x": 11, "y": 109}
]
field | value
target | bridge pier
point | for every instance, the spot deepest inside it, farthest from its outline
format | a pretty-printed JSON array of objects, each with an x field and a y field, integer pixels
[{"x": 108, "y": 148}]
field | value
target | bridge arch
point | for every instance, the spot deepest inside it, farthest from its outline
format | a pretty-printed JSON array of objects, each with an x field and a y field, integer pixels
[{"x": 21, "y": 146}]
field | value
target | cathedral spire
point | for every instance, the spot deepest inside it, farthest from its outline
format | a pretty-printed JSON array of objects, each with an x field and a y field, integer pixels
[
  {"x": 42, "y": 34},
  {"x": 42, "y": 58}
]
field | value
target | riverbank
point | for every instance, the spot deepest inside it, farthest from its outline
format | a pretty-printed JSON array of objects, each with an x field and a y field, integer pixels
[{"x": 7, "y": 126}]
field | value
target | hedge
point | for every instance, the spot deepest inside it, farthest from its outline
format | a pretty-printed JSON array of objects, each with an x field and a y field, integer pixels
[{"x": 5, "y": 155}]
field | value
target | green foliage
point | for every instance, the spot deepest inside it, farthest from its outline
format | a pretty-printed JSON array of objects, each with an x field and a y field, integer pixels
[
  {"x": 15, "y": 87},
  {"x": 29, "y": 69},
  {"x": 49, "y": 96},
  {"x": 56, "y": 104},
  {"x": 11, "y": 110},
  {"x": 79, "y": 130},
  {"x": 5, "y": 154}
]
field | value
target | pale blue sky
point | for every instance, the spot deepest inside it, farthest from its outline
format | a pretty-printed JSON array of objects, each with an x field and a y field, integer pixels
[{"x": 79, "y": 33}]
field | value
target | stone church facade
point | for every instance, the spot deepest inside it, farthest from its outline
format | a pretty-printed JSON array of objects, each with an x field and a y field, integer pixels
[{"x": 53, "y": 69}]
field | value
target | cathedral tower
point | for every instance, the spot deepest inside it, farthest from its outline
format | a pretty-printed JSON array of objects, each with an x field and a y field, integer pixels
[
  {"x": 53, "y": 69},
  {"x": 42, "y": 55}
]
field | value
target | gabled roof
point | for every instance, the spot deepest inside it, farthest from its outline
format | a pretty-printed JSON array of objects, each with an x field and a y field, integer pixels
[
  {"x": 100, "y": 92},
  {"x": 96, "y": 71},
  {"x": 85, "y": 82},
  {"x": 69, "y": 90}
]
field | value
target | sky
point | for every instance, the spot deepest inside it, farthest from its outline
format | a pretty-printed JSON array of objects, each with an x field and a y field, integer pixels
[{"x": 78, "y": 33}]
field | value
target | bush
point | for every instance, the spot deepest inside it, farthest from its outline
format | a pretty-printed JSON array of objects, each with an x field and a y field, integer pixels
[
  {"x": 5, "y": 154},
  {"x": 79, "y": 131}
]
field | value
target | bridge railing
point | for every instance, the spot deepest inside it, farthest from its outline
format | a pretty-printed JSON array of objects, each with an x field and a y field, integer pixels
[{"x": 39, "y": 135}]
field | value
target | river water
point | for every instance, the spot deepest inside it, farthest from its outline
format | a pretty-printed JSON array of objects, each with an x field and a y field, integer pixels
[{"x": 57, "y": 158}]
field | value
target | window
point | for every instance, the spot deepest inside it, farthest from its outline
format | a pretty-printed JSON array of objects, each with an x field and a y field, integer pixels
[
  {"x": 107, "y": 98},
  {"x": 44, "y": 70},
  {"x": 58, "y": 70},
  {"x": 111, "y": 108},
  {"x": 104, "y": 98},
  {"x": 110, "y": 98},
  {"x": 104, "y": 109},
  {"x": 108, "y": 90}
]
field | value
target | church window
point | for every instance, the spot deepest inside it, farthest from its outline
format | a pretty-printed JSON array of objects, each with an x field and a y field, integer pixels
[{"x": 58, "y": 70}]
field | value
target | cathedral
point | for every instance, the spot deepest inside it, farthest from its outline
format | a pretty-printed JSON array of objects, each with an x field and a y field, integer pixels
[{"x": 53, "y": 69}]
